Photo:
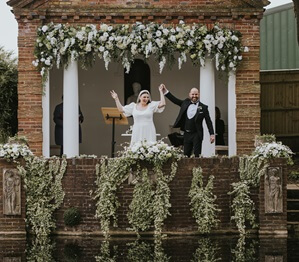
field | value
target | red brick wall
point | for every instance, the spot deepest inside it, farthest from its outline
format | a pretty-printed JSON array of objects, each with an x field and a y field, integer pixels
[
  {"x": 233, "y": 14},
  {"x": 11, "y": 224},
  {"x": 80, "y": 178}
]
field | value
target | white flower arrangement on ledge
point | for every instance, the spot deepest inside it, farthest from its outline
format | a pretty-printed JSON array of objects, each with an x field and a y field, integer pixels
[
  {"x": 272, "y": 150},
  {"x": 158, "y": 152},
  {"x": 12, "y": 151},
  {"x": 60, "y": 44}
]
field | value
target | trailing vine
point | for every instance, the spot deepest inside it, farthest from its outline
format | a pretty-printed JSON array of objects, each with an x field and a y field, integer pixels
[
  {"x": 40, "y": 250},
  {"x": 44, "y": 193},
  {"x": 140, "y": 213},
  {"x": 150, "y": 204},
  {"x": 203, "y": 206},
  {"x": 111, "y": 173}
]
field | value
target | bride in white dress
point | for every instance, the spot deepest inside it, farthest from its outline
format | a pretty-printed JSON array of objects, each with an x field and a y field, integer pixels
[{"x": 142, "y": 112}]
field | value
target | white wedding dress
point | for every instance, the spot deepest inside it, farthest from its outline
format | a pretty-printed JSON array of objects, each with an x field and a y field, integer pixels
[{"x": 143, "y": 127}]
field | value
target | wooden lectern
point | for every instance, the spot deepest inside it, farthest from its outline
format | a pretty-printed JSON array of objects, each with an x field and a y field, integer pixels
[{"x": 113, "y": 116}]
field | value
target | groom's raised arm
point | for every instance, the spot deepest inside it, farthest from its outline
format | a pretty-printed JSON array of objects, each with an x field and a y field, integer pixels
[{"x": 171, "y": 97}]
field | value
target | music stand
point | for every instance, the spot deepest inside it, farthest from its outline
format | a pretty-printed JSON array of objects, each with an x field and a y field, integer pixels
[{"x": 113, "y": 116}]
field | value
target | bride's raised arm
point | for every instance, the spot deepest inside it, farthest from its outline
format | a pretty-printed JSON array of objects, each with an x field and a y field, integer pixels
[
  {"x": 162, "y": 98},
  {"x": 117, "y": 102}
]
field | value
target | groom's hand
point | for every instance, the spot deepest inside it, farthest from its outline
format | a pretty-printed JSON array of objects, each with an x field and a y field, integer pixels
[{"x": 212, "y": 139}]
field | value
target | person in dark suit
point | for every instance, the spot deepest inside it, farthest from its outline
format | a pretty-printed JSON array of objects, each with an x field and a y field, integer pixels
[
  {"x": 220, "y": 128},
  {"x": 58, "y": 119},
  {"x": 189, "y": 120}
]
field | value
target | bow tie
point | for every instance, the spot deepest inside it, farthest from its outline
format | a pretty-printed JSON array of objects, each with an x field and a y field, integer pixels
[{"x": 194, "y": 103}]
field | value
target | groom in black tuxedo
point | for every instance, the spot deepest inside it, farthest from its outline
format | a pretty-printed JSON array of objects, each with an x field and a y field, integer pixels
[{"x": 190, "y": 118}]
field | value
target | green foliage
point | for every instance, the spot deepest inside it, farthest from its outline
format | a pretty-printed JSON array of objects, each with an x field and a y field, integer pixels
[
  {"x": 140, "y": 251},
  {"x": 8, "y": 95},
  {"x": 111, "y": 173},
  {"x": 206, "y": 251},
  {"x": 106, "y": 255},
  {"x": 140, "y": 213},
  {"x": 72, "y": 217},
  {"x": 40, "y": 250},
  {"x": 162, "y": 196},
  {"x": 251, "y": 169},
  {"x": 203, "y": 206},
  {"x": 243, "y": 252},
  {"x": 44, "y": 193}
]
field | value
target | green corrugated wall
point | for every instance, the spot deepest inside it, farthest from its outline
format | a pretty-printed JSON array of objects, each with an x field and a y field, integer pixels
[{"x": 278, "y": 33}]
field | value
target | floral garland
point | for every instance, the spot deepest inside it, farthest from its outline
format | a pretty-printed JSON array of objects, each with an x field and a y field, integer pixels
[
  {"x": 203, "y": 208},
  {"x": 60, "y": 44}
]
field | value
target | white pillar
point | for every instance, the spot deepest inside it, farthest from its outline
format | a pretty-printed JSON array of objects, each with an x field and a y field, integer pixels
[
  {"x": 207, "y": 96},
  {"x": 46, "y": 118},
  {"x": 232, "y": 122},
  {"x": 71, "y": 110}
]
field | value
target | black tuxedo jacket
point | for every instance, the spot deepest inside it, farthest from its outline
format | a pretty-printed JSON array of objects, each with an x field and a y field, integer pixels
[{"x": 201, "y": 114}]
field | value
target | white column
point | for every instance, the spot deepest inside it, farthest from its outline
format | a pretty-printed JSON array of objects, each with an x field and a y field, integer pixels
[
  {"x": 70, "y": 110},
  {"x": 232, "y": 122},
  {"x": 46, "y": 118},
  {"x": 207, "y": 96}
]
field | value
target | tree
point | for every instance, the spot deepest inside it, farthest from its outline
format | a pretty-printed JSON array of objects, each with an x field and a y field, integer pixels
[{"x": 8, "y": 94}]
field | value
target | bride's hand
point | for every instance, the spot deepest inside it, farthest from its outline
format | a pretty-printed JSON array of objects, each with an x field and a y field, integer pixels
[
  {"x": 162, "y": 88},
  {"x": 114, "y": 94}
]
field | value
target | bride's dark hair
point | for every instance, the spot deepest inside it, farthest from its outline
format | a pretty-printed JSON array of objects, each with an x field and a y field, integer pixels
[{"x": 144, "y": 92}]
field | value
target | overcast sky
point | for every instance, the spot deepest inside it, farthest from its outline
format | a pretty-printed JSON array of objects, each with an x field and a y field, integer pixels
[{"x": 9, "y": 27}]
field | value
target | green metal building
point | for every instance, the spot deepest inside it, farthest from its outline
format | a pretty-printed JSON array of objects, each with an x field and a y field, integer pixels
[
  {"x": 279, "y": 75},
  {"x": 278, "y": 31}
]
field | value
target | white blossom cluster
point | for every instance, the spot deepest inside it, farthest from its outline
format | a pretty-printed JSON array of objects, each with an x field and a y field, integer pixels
[
  {"x": 14, "y": 151},
  {"x": 151, "y": 152},
  {"x": 59, "y": 44},
  {"x": 272, "y": 150}
]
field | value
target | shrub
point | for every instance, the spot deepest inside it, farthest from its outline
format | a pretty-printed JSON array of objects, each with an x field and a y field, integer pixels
[{"x": 72, "y": 217}]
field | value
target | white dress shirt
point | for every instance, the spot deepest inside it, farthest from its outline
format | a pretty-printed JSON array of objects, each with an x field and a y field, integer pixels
[{"x": 191, "y": 111}]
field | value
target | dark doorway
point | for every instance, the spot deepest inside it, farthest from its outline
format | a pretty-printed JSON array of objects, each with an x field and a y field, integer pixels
[{"x": 139, "y": 73}]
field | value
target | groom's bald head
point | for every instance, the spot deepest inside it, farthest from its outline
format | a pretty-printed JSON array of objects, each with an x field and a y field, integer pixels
[{"x": 194, "y": 94}]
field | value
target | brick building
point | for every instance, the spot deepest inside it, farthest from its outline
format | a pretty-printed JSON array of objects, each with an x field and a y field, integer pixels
[{"x": 236, "y": 93}]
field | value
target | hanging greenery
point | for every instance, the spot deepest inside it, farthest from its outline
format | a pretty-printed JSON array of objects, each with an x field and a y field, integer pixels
[
  {"x": 111, "y": 173},
  {"x": 203, "y": 206},
  {"x": 251, "y": 169},
  {"x": 44, "y": 193},
  {"x": 59, "y": 44},
  {"x": 141, "y": 209},
  {"x": 42, "y": 181}
]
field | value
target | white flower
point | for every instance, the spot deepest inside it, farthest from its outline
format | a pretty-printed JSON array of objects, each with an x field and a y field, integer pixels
[
  {"x": 165, "y": 31},
  {"x": 110, "y": 28},
  {"x": 234, "y": 38},
  {"x": 246, "y": 49},
  {"x": 45, "y": 28},
  {"x": 104, "y": 27},
  {"x": 231, "y": 65},
  {"x": 101, "y": 49},
  {"x": 172, "y": 38},
  {"x": 158, "y": 33},
  {"x": 189, "y": 43}
]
